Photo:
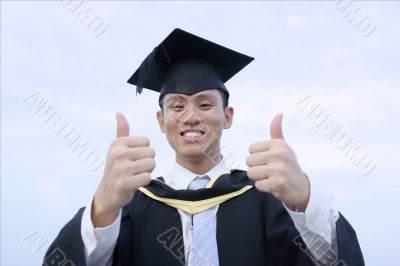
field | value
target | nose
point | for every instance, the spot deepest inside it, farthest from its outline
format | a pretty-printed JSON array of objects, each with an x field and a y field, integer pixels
[{"x": 191, "y": 117}]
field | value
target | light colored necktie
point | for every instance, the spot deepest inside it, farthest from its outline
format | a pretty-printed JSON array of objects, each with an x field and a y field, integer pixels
[{"x": 205, "y": 237}]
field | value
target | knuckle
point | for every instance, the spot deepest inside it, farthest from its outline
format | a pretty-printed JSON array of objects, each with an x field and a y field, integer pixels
[
  {"x": 131, "y": 168},
  {"x": 138, "y": 142},
  {"x": 142, "y": 179},
  {"x": 250, "y": 173},
  {"x": 115, "y": 142},
  {"x": 147, "y": 177},
  {"x": 280, "y": 183},
  {"x": 283, "y": 170},
  {"x": 280, "y": 154},
  {"x": 264, "y": 158},
  {"x": 145, "y": 141},
  {"x": 251, "y": 148},
  {"x": 152, "y": 152},
  {"x": 143, "y": 165},
  {"x": 116, "y": 152},
  {"x": 152, "y": 163},
  {"x": 249, "y": 160},
  {"x": 258, "y": 147},
  {"x": 120, "y": 183},
  {"x": 278, "y": 170}
]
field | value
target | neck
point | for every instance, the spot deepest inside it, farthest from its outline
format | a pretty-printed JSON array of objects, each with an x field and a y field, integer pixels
[{"x": 199, "y": 166}]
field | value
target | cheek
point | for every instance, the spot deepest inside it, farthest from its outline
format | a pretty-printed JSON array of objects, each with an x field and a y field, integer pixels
[
  {"x": 216, "y": 123},
  {"x": 169, "y": 121},
  {"x": 221, "y": 118},
  {"x": 171, "y": 134},
  {"x": 171, "y": 129}
]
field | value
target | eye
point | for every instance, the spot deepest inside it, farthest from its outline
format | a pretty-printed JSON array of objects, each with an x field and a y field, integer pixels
[
  {"x": 177, "y": 107},
  {"x": 205, "y": 106}
]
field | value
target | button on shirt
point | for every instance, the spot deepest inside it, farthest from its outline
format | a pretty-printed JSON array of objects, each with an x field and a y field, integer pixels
[{"x": 318, "y": 222}]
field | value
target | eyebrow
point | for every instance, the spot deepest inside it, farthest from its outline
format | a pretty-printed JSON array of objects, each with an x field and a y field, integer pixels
[
  {"x": 198, "y": 97},
  {"x": 206, "y": 96},
  {"x": 173, "y": 99}
]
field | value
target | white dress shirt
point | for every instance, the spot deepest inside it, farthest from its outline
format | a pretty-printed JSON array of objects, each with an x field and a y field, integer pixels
[{"x": 317, "y": 226}]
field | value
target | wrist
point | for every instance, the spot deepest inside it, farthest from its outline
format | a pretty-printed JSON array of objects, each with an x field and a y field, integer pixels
[
  {"x": 303, "y": 205},
  {"x": 102, "y": 216}
]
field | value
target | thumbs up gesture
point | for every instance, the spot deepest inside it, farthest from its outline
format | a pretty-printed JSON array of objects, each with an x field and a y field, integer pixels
[
  {"x": 274, "y": 168},
  {"x": 130, "y": 161}
]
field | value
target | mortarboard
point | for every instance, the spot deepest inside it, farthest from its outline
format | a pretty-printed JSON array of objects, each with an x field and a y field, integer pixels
[{"x": 185, "y": 63}]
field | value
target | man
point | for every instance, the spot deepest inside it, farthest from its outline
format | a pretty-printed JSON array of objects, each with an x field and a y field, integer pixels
[{"x": 202, "y": 213}]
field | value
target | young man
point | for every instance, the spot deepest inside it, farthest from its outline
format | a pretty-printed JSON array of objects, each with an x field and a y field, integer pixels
[{"x": 201, "y": 213}]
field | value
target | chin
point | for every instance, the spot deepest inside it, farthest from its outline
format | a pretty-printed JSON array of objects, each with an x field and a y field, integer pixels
[
  {"x": 199, "y": 153},
  {"x": 192, "y": 154}
]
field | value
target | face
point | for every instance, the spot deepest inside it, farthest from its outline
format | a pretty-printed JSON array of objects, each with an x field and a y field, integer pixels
[{"x": 193, "y": 124}]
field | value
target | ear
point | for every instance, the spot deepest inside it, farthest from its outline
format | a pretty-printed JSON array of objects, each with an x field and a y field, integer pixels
[
  {"x": 160, "y": 119},
  {"x": 228, "y": 117}
]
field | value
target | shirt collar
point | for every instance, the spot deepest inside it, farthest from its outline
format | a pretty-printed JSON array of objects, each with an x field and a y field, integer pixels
[{"x": 179, "y": 177}]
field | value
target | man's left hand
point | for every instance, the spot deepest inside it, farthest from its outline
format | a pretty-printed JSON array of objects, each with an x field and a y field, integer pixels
[{"x": 274, "y": 168}]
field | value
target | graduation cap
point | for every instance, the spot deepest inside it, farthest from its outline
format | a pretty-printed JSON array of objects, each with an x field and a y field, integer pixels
[{"x": 185, "y": 63}]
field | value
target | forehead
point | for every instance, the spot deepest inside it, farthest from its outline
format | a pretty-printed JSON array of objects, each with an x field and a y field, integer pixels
[{"x": 212, "y": 94}]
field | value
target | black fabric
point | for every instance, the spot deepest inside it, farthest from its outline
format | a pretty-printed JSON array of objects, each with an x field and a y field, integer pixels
[
  {"x": 67, "y": 248},
  {"x": 225, "y": 184},
  {"x": 349, "y": 250},
  {"x": 252, "y": 229}
]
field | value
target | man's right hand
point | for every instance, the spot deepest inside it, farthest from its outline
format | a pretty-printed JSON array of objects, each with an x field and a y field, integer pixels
[{"x": 130, "y": 161}]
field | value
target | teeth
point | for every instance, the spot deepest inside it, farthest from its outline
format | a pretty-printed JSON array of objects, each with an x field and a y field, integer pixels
[{"x": 192, "y": 134}]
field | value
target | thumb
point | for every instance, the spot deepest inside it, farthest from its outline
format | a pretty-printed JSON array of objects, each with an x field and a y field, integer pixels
[
  {"x": 122, "y": 125},
  {"x": 276, "y": 127}
]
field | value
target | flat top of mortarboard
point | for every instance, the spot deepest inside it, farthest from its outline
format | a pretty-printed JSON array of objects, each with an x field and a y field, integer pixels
[{"x": 178, "y": 46}]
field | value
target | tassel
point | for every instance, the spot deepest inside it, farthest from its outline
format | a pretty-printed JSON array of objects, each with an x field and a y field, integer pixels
[{"x": 148, "y": 71}]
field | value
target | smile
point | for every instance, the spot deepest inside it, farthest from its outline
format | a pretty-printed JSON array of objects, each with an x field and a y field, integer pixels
[{"x": 192, "y": 135}]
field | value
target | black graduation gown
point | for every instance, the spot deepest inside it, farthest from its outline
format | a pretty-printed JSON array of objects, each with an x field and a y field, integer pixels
[{"x": 253, "y": 229}]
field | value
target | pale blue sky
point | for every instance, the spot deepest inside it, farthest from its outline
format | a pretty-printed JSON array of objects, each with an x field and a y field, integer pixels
[{"x": 301, "y": 48}]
